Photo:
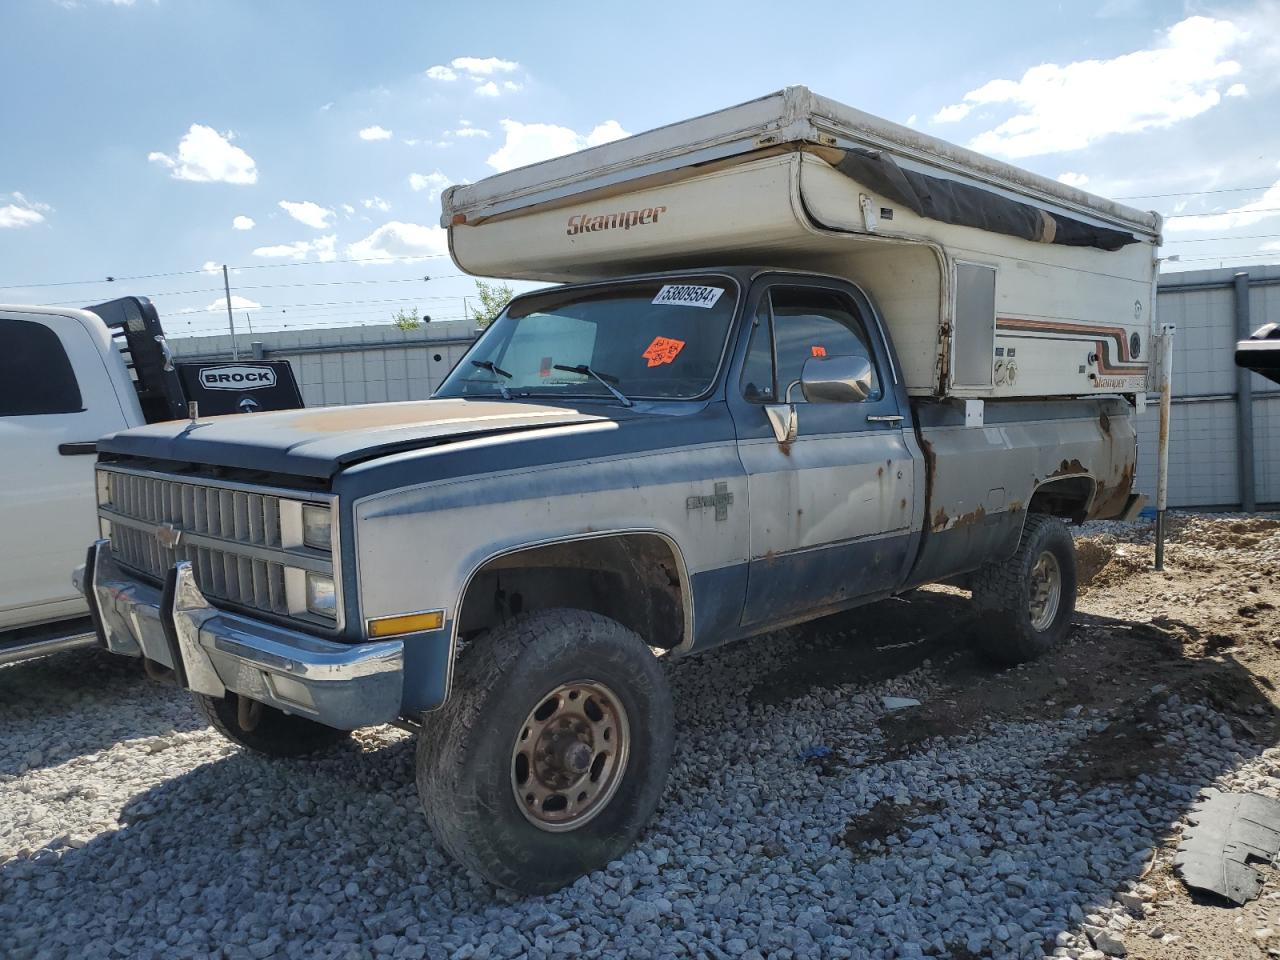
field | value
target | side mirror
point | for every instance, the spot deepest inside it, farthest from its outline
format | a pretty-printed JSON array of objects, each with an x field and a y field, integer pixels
[{"x": 836, "y": 379}]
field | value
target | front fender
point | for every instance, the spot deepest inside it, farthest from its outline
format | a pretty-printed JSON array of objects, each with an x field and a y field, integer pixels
[{"x": 418, "y": 548}]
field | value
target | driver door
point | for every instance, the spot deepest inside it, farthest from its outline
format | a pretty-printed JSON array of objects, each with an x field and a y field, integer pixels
[{"x": 831, "y": 509}]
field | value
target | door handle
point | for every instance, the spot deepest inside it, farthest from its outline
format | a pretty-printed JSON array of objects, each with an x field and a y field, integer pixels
[
  {"x": 886, "y": 418},
  {"x": 83, "y": 449}
]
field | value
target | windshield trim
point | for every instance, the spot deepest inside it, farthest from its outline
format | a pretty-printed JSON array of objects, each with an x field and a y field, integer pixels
[{"x": 713, "y": 385}]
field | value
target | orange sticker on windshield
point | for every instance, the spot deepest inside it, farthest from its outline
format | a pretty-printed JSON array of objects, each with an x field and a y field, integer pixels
[
  {"x": 662, "y": 350},
  {"x": 818, "y": 351}
]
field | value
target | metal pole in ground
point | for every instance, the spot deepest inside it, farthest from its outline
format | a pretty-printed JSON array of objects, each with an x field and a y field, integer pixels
[
  {"x": 1162, "y": 445},
  {"x": 231, "y": 317},
  {"x": 1244, "y": 400}
]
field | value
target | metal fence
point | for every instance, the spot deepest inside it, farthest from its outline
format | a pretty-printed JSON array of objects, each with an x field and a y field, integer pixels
[
  {"x": 1224, "y": 432},
  {"x": 364, "y": 364},
  {"x": 1214, "y": 405}
]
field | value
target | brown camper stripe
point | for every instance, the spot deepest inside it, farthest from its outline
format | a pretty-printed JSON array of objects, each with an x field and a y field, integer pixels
[{"x": 1108, "y": 339}]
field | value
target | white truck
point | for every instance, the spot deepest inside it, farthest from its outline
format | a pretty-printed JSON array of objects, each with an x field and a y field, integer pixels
[
  {"x": 68, "y": 377},
  {"x": 802, "y": 359}
]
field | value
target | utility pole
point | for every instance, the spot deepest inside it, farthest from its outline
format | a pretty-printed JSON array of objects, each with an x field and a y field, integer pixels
[
  {"x": 249, "y": 321},
  {"x": 231, "y": 317}
]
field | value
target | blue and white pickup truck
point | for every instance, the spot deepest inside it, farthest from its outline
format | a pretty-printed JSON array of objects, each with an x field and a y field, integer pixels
[{"x": 628, "y": 468}]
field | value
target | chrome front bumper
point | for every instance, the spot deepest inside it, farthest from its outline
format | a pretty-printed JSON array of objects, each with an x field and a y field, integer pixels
[{"x": 211, "y": 651}]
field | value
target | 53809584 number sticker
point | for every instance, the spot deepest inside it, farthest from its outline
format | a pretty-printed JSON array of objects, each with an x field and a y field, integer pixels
[{"x": 688, "y": 295}]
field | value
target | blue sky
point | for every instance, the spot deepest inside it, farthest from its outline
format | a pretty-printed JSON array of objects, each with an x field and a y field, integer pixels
[{"x": 284, "y": 138}]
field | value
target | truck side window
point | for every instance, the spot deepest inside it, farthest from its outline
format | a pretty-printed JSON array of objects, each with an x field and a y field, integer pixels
[
  {"x": 816, "y": 323},
  {"x": 35, "y": 374},
  {"x": 757, "y": 370}
]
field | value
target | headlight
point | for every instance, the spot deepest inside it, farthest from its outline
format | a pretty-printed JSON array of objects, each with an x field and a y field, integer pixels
[
  {"x": 317, "y": 526},
  {"x": 322, "y": 599}
]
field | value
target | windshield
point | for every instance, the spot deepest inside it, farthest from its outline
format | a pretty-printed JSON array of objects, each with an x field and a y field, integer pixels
[{"x": 657, "y": 339}]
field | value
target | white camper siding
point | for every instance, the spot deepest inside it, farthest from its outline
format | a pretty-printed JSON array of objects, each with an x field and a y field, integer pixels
[
  {"x": 1052, "y": 301},
  {"x": 734, "y": 215}
]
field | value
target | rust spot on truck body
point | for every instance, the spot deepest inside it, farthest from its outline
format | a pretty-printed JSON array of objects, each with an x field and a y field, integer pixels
[
  {"x": 1068, "y": 468},
  {"x": 970, "y": 519}
]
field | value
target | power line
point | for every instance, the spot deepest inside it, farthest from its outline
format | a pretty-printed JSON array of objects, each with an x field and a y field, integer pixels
[
  {"x": 247, "y": 266},
  {"x": 1190, "y": 193},
  {"x": 1250, "y": 236},
  {"x": 1224, "y": 213},
  {"x": 1274, "y": 254}
]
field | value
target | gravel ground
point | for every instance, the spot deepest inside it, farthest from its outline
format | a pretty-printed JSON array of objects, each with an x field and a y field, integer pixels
[{"x": 1020, "y": 813}]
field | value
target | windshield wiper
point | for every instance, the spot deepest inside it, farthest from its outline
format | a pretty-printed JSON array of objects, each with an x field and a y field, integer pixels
[
  {"x": 586, "y": 371},
  {"x": 497, "y": 371}
]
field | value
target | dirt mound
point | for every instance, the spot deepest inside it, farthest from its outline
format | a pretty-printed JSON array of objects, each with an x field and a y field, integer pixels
[
  {"x": 1101, "y": 562},
  {"x": 1223, "y": 533}
]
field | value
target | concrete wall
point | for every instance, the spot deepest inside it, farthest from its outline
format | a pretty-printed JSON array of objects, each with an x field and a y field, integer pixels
[{"x": 374, "y": 363}]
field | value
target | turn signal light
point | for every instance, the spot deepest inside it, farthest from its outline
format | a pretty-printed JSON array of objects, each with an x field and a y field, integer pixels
[{"x": 407, "y": 623}]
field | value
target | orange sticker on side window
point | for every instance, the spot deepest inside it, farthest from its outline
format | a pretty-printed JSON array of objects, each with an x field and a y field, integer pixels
[
  {"x": 818, "y": 351},
  {"x": 662, "y": 350}
]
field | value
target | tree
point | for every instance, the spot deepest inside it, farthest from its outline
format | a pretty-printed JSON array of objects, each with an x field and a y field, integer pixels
[
  {"x": 407, "y": 319},
  {"x": 494, "y": 298}
]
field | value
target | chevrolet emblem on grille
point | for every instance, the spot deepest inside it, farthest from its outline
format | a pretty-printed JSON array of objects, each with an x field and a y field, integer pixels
[{"x": 168, "y": 535}]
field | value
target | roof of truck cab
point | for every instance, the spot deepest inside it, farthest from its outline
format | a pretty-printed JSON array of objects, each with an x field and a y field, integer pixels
[{"x": 794, "y": 115}]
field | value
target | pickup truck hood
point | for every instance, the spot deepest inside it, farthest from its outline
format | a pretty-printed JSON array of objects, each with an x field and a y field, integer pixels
[{"x": 320, "y": 441}]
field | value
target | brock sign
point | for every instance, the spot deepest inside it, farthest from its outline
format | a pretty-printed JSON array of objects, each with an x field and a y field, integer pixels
[{"x": 237, "y": 377}]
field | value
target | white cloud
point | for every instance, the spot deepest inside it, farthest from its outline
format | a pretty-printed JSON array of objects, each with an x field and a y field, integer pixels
[
  {"x": 1237, "y": 90},
  {"x": 375, "y": 133},
  {"x": 304, "y": 211},
  {"x": 953, "y": 113},
  {"x": 220, "y": 305},
  {"x": 348, "y": 209},
  {"x": 206, "y": 156},
  {"x": 1264, "y": 208},
  {"x": 467, "y": 131},
  {"x": 912, "y": 120},
  {"x": 21, "y": 212},
  {"x": 243, "y": 223},
  {"x": 433, "y": 183},
  {"x": 484, "y": 72},
  {"x": 376, "y": 203},
  {"x": 209, "y": 266},
  {"x": 606, "y": 132},
  {"x": 483, "y": 66},
  {"x": 530, "y": 142},
  {"x": 396, "y": 240},
  {"x": 323, "y": 248},
  {"x": 1056, "y": 108},
  {"x": 1073, "y": 179}
]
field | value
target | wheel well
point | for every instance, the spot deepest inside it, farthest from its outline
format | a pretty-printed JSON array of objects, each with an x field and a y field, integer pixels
[
  {"x": 632, "y": 578},
  {"x": 1066, "y": 497}
]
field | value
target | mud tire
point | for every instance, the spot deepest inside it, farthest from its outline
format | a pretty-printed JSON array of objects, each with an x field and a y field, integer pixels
[
  {"x": 1006, "y": 633},
  {"x": 465, "y": 750}
]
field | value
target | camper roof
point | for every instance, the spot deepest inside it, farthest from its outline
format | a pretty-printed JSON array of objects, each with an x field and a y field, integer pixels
[{"x": 792, "y": 116}]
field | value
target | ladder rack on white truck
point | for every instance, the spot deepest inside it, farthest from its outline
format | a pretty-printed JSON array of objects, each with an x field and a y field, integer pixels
[{"x": 993, "y": 281}]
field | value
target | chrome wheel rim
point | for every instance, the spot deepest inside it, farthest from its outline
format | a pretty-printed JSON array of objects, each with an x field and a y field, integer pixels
[
  {"x": 1046, "y": 591},
  {"x": 569, "y": 755}
]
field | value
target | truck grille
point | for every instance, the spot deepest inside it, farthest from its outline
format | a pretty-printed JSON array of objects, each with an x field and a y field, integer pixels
[{"x": 234, "y": 539}]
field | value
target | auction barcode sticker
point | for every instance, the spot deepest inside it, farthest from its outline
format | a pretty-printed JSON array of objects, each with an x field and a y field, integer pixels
[{"x": 688, "y": 295}]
